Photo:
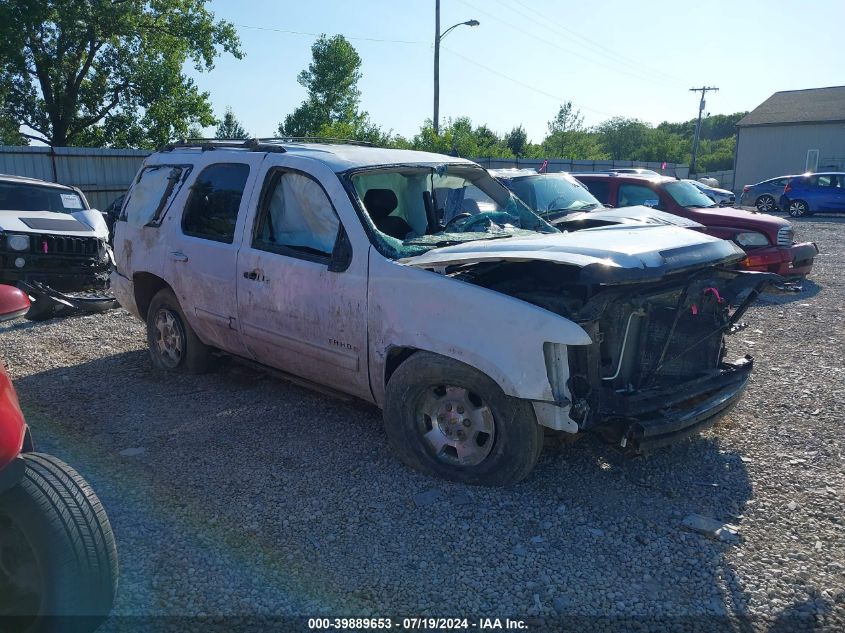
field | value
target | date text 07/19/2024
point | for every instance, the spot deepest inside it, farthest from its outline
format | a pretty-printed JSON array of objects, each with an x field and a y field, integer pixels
[{"x": 416, "y": 624}]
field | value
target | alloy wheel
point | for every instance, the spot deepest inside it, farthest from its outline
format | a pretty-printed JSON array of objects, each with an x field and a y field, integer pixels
[
  {"x": 170, "y": 338},
  {"x": 456, "y": 425},
  {"x": 765, "y": 204},
  {"x": 797, "y": 208}
]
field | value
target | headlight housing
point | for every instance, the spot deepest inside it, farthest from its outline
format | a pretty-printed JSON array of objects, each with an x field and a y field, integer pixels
[
  {"x": 751, "y": 239},
  {"x": 18, "y": 242}
]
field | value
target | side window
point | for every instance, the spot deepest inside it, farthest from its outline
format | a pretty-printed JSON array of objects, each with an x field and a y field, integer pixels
[
  {"x": 154, "y": 190},
  {"x": 296, "y": 215},
  {"x": 820, "y": 181},
  {"x": 630, "y": 195},
  {"x": 212, "y": 209},
  {"x": 600, "y": 189}
]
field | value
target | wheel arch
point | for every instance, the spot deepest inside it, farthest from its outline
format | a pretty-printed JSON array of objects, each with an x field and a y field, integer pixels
[{"x": 145, "y": 286}]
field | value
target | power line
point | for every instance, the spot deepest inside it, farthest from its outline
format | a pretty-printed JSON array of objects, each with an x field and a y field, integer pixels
[
  {"x": 551, "y": 25},
  {"x": 349, "y": 37},
  {"x": 557, "y": 98},
  {"x": 640, "y": 74}
]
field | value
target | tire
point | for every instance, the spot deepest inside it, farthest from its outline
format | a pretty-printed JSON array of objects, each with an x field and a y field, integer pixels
[
  {"x": 58, "y": 544},
  {"x": 174, "y": 346},
  {"x": 427, "y": 398},
  {"x": 798, "y": 208},
  {"x": 766, "y": 204}
]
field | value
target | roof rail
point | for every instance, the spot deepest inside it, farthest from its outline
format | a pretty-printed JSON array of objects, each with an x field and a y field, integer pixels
[
  {"x": 206, "y": 144},
  {"x": 314, "y": 139}
]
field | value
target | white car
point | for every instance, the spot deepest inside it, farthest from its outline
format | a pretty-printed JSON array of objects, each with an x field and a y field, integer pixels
[
  {"x": 418, "y": 282},
  {"x": 722, "y": 197}
]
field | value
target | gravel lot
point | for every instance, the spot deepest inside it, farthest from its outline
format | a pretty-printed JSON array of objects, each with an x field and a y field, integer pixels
[{"x": 236, "y": 494}]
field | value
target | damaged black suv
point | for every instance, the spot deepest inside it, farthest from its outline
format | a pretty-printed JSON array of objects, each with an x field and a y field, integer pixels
[{"x": 52, "y": 243}]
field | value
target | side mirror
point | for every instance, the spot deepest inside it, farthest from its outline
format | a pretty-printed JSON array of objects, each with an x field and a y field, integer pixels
[{"x": 14, "y": 303}]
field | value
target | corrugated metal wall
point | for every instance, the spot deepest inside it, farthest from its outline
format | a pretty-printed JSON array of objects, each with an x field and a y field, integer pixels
[
  {"x": 103, "y": 174},
  {"x": 779, "y": 150}
]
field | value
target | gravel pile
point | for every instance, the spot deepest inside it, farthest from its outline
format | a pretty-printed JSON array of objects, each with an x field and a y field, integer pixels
[{"x": 236, "y": 494}]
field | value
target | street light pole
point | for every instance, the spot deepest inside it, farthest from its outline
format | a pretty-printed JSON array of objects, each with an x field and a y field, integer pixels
[{"x": 437, "y": 37}]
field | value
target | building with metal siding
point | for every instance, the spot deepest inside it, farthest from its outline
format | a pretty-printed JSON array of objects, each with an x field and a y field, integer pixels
[{"x": 791, "y": 132}]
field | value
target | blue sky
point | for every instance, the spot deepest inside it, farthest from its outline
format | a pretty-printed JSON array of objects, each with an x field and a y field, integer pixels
[{"x": 610, "y": 57}]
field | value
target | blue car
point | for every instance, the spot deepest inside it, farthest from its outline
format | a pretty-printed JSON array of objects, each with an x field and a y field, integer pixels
[{"x": 810, "y": 193}]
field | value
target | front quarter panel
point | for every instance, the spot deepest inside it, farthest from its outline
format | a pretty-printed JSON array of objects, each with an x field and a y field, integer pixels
[
  {"x": 12, "y": 425},
  {"x": 499, "y": 335}
]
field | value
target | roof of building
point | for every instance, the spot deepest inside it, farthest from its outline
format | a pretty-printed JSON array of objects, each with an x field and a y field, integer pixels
[{"x": 813, "y": 105}]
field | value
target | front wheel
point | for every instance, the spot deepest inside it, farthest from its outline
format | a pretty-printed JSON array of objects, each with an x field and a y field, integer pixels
[
  {"x": 798, "y": 208},
  {"x": 58, "y": 558},
  {"x": 449, "y": 420}
]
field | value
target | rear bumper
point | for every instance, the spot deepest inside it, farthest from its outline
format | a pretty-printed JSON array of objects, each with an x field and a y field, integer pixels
[
  {"x": 782, "y": 260},
  {"x": 693, "y": 415}
]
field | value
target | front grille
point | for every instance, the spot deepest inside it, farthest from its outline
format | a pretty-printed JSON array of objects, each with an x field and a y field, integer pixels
[
  {"x": 64, "y": 245},
  {"x": 786, "y": 235}
]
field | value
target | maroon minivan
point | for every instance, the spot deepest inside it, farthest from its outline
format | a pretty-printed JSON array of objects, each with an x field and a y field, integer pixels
[{"x": 767, "y": 240}]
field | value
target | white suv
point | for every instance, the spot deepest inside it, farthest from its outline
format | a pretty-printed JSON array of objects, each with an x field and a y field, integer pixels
[{"x": 418, "y": 282}]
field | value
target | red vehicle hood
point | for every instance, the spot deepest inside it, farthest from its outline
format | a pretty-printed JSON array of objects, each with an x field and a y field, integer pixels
[
  {"x": 737, "y": 218},
  {"x": 12, "y": 425}
]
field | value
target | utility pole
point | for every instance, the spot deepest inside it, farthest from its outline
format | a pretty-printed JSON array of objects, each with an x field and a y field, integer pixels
[
  {"x": 437, "y": 37},
  {"x": 703, "y": 90},
  {"x": 436, "y": 119}
]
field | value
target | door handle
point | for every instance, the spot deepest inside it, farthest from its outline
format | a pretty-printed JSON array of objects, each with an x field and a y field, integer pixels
[
  {"x": 179, "y": 257},
  {"x": 252, "y": 275}
]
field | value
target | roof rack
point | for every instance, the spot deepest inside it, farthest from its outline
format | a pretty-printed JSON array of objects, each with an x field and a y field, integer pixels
[
  {"x": 206, "y": 144},
  {"x": 268, "y": 144},
  {"x": 314, "y": 139}
]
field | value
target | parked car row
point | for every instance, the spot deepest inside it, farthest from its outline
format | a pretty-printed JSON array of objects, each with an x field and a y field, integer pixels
[{"x": 798, "y": 195}]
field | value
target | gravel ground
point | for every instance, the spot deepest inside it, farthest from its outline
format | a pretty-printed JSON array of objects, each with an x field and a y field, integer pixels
[{"x": 242, "y": 495}]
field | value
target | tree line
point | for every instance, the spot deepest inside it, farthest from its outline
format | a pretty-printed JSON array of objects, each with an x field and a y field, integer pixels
[{"x": 110, "y": 73}]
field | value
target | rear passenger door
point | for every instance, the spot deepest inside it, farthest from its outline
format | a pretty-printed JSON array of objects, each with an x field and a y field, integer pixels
[
  {"x": 302, "y": 289},
  {"x": 201, "y": 260}
]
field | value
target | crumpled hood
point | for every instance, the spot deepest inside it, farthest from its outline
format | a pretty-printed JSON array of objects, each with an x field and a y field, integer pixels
[
  {"x": 737, "y": 218},
  {"x": 82, "y": 223},
  {"x": 612, "y": 254},
  {"x": 627, "y": 215}
]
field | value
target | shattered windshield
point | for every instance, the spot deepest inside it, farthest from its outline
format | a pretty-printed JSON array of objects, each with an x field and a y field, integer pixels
[
  {"x": 553, "y": 195},
  {"x": 418, "y": 208},
  {"x": 688, "y": 195},
  {"x": 26, "y": 197}
]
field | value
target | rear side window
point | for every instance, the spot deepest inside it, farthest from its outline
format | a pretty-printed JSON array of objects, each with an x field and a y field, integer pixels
[
  {"x": 154, "y": 190},
  {"x": 631, "y": 195},
  {"x": 821, "y": 181},
  {"x": 212, "y": 209},
  {"x": 600, "y": 189}
]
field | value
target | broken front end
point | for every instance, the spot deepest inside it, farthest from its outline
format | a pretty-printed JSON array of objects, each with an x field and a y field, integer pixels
[{"x": 657, "y": 368}]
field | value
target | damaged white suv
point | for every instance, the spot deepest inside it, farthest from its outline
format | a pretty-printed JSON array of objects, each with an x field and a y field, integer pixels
[{"x": 418, "y": 282}]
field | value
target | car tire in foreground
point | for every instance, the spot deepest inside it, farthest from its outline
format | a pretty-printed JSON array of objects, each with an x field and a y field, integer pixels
[
  {"x": 798, "y": 208},
  {"x": 449, "y": 420},
  {"x": 58, "y": 570},
  {"x": 174, "y": 346},
  {"x": 766, "y": 204}
]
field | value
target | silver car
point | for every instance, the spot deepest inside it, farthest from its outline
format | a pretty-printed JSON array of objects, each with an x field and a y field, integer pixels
[
  {"x": 722, "y": 197},
  {"x": 764, "y": 195}
]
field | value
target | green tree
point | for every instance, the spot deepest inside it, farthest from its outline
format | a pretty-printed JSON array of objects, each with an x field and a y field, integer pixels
[
  {"x": 517, "y": 141},
  {"x": 331, "y": 80},
  {"x": 108, "y": 71},
  {"x": 230, "y": 127},
  {"x": 567, "y": 137},
  {"x": 623, "y": 138}
]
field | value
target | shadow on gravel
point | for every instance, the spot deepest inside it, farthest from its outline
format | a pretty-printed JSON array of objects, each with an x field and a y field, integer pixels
[
  {"x": 245, "y": 494},
  {"x": 809, "y": 289}
]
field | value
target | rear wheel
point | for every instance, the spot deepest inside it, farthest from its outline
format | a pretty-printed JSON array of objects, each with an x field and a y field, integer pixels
[
  {"x": 174, "y": 346},
  {"x": 58, "y": 558},
  {"x": 766, "y": 204},
  {"x": 798, "y": 208},
  {"x": 450, "y": 420}
]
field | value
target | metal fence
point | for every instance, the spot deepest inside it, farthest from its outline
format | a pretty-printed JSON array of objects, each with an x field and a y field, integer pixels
[{"x": 103, "y": 174}]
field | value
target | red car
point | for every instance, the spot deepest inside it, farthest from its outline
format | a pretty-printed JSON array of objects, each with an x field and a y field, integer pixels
[
  {"x": 766, "y": 239},
  {"x": 58, "y": 559}
]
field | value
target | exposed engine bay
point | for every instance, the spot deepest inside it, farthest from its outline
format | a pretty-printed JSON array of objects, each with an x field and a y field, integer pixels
[{"x": 657, "y": 346}]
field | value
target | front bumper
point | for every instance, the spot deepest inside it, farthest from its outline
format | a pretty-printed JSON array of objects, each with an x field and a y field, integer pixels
[
  {"x": 697, "y": 408},
  {"x": 65, "y": 274},
  {"x": 782, "y": 260}
]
